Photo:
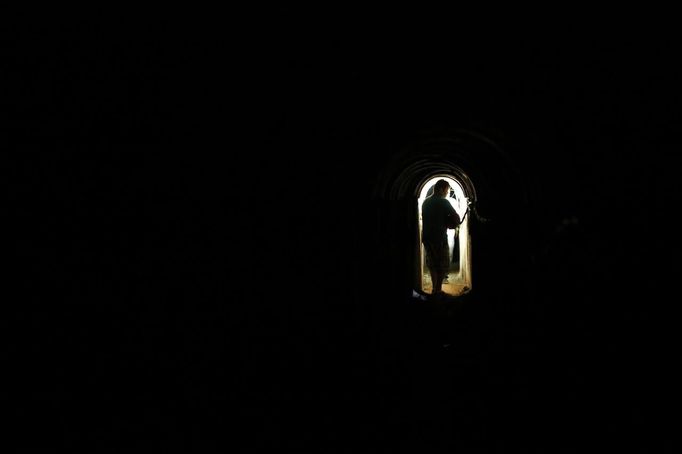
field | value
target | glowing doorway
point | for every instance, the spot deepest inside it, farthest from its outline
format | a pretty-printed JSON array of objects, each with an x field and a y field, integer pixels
[{"x": 458, "y": 280}]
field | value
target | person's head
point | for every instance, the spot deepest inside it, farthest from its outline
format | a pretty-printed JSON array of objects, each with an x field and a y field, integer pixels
[{"x": 441, "y": 188}]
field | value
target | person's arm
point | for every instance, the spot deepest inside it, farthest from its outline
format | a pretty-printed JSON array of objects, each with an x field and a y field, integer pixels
[{"x": 453, "y": 219}]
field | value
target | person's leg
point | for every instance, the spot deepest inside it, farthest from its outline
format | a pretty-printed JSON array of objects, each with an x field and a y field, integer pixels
[
  {"x": 442, "y": 264},
  {"x": 437, "y": 281},
  {"x": 433, "y": 273},
  {"x": 432, "y": 265},
  {"x": 434, "y": 277}
]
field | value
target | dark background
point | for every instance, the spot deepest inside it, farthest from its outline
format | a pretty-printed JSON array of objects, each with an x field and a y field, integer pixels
[{"x": 197, "y": 260}]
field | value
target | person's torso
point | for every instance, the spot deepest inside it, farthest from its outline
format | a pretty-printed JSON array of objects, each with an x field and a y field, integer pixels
[{"x": 434, "y": 214}]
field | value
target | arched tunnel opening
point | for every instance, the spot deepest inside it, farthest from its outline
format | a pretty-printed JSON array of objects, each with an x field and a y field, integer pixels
[
  {"x": 486, "y": 190},
  {"x": 458, "y": 278}
]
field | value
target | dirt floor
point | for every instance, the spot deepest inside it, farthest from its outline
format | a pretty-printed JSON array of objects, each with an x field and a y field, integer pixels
[{"x": 453, "y": 286}]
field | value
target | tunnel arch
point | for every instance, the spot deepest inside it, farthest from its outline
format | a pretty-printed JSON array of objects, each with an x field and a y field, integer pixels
[
  {"x": 458, "y": 280},
  {"x": 481, "y": 169}
]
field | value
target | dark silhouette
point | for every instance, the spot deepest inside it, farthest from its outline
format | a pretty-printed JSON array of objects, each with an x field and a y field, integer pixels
[{"x": 437, "y": 216}]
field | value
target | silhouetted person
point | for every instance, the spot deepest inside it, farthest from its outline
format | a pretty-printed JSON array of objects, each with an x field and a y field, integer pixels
[{"x": 437, "y": 216}]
